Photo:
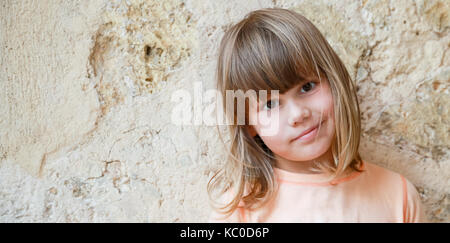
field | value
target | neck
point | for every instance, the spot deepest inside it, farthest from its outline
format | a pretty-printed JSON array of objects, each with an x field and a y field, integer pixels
[{"x": 305, "y": 167}]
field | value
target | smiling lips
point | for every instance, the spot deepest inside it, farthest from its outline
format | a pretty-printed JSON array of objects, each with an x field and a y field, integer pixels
[{"x": 305, "y": 135}]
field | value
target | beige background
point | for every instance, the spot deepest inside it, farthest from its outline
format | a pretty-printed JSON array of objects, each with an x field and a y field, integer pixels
[{"x": 85, "y": 125}]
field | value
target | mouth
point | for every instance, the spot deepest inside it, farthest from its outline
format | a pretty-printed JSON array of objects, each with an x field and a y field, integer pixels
[{"x": 308, "y": 133}]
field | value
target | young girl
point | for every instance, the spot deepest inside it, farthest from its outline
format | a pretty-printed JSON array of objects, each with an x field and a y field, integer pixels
[{"x": 309, "y": 169}]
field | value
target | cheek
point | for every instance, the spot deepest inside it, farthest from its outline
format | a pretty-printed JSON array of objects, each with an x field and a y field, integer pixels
[
  {"x": 274, "y": 143},
  {"x": 328, "y": 111},
  {"x": 324, "y": 102},
  {"x": 269, "y": 124},
  {"x": 268, "y": 128}
]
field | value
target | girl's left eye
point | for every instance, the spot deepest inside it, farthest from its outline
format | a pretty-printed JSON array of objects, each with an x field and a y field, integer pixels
[{"x": 309, "y": 86}]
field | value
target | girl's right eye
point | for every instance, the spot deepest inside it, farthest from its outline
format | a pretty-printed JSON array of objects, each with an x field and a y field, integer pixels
[{"x": 270, "y": 104}]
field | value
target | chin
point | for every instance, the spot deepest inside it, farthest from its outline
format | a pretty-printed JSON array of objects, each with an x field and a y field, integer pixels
[{"x": 311, "y": 154}]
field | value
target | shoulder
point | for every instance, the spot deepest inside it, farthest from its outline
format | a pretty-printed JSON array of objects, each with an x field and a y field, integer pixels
[
  {"x": 379, "y": 177},
  {"x": 374, "y": 170},
  {"x": 399, "y": 189},
  {"x": 413, "y": 209}
]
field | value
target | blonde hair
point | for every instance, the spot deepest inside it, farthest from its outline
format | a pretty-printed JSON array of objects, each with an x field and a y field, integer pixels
[{"x": 272, "y": 49}]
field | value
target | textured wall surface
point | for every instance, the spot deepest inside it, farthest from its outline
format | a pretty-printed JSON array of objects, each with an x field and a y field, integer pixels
[{"x": 85, "y": 124}]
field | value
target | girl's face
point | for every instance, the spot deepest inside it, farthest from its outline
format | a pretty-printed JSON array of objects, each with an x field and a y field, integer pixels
[{"x": 292, "y": 114}]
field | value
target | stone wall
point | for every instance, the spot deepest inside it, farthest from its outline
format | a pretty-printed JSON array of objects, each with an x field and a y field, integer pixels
[{"x": 86, "y": 133}]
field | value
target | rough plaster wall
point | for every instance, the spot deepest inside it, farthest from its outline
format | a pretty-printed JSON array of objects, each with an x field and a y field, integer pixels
[{"x": 86, "y": 133}]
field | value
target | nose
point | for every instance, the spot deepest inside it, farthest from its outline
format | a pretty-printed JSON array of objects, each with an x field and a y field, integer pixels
[{"x": 297, "y": 113}]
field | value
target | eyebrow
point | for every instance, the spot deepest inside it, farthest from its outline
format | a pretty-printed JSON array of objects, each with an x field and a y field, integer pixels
[
  {"x": 268, "y": 97},
  {"x": 295, "y": 87}
]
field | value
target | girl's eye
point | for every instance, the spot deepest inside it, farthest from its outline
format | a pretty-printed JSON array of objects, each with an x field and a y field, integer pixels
[
  {"x": 309, "y": 86},
  {"x": 271, "y": 104}
]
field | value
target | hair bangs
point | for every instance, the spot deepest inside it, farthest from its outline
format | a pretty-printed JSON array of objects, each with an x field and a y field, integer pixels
[{"x": 262, "y": 61}]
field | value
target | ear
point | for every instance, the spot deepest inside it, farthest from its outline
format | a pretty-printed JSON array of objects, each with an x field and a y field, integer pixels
[{"x": 251, "y": 130}]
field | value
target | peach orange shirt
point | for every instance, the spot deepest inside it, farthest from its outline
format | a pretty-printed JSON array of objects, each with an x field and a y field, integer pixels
[{"x": 374, "y": 195}]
